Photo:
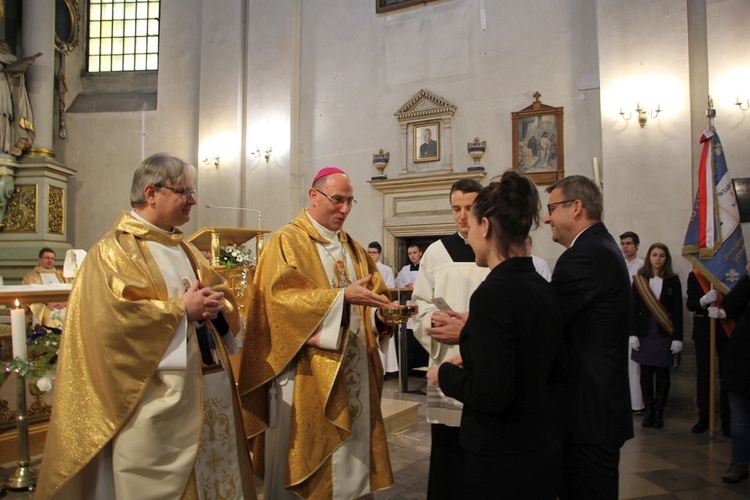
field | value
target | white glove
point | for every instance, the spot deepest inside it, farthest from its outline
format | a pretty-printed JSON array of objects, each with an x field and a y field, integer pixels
[
  {"x": 717, "y": 312},
  {"x": 676, "y": 346},
  {"x": 635, "y": 343},
  {"x": 708, "y": 298}
]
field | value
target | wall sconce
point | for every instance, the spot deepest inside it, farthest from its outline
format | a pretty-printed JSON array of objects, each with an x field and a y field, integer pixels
[
  {"x": 739, "y": 104},
  {"x": 643, "y": 114},
  {"x": 211, "y": 161},
  {"x": 266, "y": 154}
]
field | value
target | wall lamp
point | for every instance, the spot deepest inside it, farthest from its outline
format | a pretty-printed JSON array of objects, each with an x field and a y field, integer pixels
[
  {"x": 211, "y": 161},
  {"x": 740, "y": 104},
  {"x": 265, "y": 154},
  {"x": 643, "y": 114}
]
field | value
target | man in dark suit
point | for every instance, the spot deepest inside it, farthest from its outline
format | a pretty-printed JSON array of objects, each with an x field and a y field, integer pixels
[{"x": 592, "y": 285}]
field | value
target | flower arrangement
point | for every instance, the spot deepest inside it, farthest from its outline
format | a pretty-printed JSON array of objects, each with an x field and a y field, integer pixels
[
  {"x": 42, "y": 348},
  {"x": 232, "y": 256}
]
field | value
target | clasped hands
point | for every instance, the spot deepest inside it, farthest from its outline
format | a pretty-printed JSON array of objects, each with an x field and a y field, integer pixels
[
  {"x": 432, "y": 373},
  {"x": 202, "y": 302}
]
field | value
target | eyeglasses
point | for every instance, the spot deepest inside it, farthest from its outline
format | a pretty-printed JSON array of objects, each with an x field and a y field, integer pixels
[
  {"x": 552, "y": 206},
  {"x": 338, "y": 201},
  {"x": 184, "y": 192},
  {"x": 626, "y": 243}
]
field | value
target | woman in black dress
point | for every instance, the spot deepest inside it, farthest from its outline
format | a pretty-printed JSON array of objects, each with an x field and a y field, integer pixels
[
  {"x": 507, "y": 375},
  {"x": 656, "y": 329}
]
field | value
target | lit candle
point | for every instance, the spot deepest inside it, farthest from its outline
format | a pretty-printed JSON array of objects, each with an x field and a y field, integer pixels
[
  {"x": 597, "y": 179},
  {"x": 18, "y": 331}
]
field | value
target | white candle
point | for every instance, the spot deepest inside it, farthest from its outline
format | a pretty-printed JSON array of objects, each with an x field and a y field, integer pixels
[
  {"x": 18, "y": 331},
  {"x": 597, "y": 179}
]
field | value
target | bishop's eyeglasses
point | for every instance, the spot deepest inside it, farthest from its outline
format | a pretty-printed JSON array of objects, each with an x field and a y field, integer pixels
[{"x": 339, "y": 201}]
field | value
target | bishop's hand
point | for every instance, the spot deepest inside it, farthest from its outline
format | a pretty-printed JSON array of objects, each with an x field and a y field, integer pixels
[{"x": 357, "y": 293}]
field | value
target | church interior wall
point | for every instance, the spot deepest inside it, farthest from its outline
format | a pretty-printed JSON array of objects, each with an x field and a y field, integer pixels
[{"x": 320, "y": 83}]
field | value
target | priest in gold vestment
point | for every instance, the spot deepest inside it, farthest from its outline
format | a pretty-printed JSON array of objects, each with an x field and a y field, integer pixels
[
  {"x": 311, "y": 373},
  {"x": 44, "y": 273},
  {"x": 128, "y": 409}
]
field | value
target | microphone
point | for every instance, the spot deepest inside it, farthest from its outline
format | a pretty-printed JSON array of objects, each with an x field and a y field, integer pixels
[{"x": 241, "y": 209}]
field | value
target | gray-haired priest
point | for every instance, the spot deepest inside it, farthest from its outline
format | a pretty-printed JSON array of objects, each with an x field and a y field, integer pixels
[{"x": 129, "y": 420}]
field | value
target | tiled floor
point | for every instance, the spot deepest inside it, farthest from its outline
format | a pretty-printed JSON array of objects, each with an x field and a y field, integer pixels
[{"x": 671, "y": 463}]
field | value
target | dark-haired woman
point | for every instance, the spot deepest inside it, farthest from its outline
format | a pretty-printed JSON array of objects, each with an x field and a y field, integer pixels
[
  {"x": 507, "y": 375},
  {"x": 656, "y": 329}
]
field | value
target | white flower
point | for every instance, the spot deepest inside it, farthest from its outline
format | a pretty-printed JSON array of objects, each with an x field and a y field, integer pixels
[{"x": 44, "y": 384}]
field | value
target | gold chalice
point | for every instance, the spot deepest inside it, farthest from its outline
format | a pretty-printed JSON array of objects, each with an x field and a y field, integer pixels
[{"x": 397, "y": 315}]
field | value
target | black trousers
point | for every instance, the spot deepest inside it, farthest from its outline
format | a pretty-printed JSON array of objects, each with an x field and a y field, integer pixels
[
  {"x": 590, "y": 472},
  {"x": 446, "y": 480},
  {"x": 658, "y": 399},
  {"x": 703, "y": 381}
]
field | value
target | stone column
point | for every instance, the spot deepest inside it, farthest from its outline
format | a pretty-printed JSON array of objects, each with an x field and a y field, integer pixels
[{"x": 38, "y": 35}]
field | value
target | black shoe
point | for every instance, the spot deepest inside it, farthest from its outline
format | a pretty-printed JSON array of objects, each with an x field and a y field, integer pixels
[
  {"x": 700, "y": 427},
  {"x": 642, "y": 411},
  {"x": 734, "y": 474},
  {"x": 648, "y": 420},
  {"x": 659, "y": 419},
  {"x": 726, "y": 429}
]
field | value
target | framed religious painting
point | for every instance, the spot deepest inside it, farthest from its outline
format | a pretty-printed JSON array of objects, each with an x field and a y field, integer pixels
[
  {"x": 382, "y": 6},
  {"x": 426, "y": 140},
  {"x": 538, "y": 151}
]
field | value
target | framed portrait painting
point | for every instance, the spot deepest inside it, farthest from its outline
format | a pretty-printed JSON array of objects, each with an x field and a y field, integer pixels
[
  {"x": 538, "y": 151},
  {"x": 382, "y": 6},
  {"x": 426, "y": 141}
]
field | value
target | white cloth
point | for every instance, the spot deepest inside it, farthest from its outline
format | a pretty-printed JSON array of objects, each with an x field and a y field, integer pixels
[
  {"x": 387, "y": 348},
  {"x": 387, "y": 273},
  {"x": 407, "y": 277},
  {"x": 351, "y": 461},
  {"x": 634, "y": 369},
  {"x": 541, "y": 267},
  {"x": 633, "y": 267},
  {"x": 439, "y": 276}
]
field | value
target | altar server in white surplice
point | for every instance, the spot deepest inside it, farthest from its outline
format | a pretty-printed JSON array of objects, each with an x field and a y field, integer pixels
[
  {"x": 447, "y": 271},
  {"x": 129, "y": 414}
]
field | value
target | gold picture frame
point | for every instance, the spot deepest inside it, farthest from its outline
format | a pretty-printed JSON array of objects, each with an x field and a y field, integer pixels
[
  {"x": 538, "y": 146},
  {"x": 426, "y": 141}
]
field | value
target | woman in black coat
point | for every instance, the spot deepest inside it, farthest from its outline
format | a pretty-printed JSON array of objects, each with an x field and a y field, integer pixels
[
  {"x": 656, "y": 329},
  {"x": 507, "y": 375}
]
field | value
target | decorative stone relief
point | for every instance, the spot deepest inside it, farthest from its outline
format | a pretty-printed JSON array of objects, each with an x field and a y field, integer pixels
[{"x": 21, "y": 214}]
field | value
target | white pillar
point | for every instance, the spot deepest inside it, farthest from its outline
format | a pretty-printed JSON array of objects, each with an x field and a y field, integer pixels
[{"x": 38, "y": 35}]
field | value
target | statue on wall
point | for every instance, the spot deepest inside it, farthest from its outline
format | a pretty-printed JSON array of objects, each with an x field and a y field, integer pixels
[
  {"x": 16, "y": 122},
  {"x": 7, "y": 185}
]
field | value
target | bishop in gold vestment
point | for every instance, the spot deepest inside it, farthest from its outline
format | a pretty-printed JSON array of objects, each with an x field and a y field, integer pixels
[
  {"x": 312, "y": 278},
  {"x": 128, "y": 416}
]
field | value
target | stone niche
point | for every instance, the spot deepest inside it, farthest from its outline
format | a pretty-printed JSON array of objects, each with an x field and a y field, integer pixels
[
  {"x": 426, "y": 111},
  {"x": 416, "y": 209}
]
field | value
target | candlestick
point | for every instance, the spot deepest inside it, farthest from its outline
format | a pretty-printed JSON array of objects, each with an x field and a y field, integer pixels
[{"x": 18, "y": 331}]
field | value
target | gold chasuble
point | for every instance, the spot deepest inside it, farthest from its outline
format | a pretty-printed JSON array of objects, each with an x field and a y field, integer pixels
[
  {"x": 119, "y": 324},
  {"x": 291, "y": 298}
]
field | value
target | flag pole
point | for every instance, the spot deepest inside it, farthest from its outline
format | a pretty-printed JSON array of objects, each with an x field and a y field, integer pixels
[{"x": 711, "y": 114}]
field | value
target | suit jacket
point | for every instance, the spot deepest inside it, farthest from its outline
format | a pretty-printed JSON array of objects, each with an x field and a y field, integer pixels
[
  {"x": 428, "y": 149},
  {"x": 736, "y": 377},
  {"x": 670, "y": 298},
  {"x": 512, "y": 351},
  {"x": 592, "y": 284}
]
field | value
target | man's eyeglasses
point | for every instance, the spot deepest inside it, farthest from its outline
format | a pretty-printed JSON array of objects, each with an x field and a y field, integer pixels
[
  {"x": 552, "y": 206},
  {"x": 338, "y": 201},
  {"x": 184, "y": 192},
  {"x": 626, "y": 243}
]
